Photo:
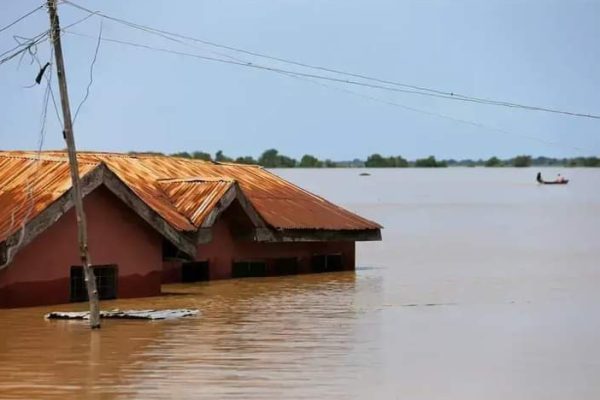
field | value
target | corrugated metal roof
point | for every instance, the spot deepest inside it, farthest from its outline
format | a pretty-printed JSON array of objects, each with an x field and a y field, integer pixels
[
  {"x": 195, "y": 198},
  {"x": 183, "y": 191},
  {"x": 28, "y": 186}
]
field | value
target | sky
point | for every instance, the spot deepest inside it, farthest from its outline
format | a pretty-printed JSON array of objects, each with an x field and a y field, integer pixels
[{"x": 541, "y": 53}]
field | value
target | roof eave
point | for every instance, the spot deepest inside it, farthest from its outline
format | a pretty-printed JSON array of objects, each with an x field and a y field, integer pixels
[
  {"x": 101, "y": 175},
  {"x": 235, "y": 192},
  {"x": 321, "y": 235}
]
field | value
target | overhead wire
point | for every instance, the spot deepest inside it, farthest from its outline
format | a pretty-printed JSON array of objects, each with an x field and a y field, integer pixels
[
  {"x": 417, "y": 90},
  {"x": 252, "y": 65},
  {"x": 46, "y": 72},
  {"x": 308, "y": 77},
  {"x": 48, "y": 78},
  {"x": 434, "y": 114},
  {"x": 12, "y": 248},
  {"x": 21, "y": 18},
  {"x": 313, "y": 78},
  {"x": 25, "y": 46},
  {"x": 91, "y": 81}
]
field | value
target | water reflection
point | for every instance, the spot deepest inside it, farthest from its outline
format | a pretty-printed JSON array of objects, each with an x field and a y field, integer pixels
[
  {"x": 255, "y": 337},
  {"x": 485, "y": 287}
]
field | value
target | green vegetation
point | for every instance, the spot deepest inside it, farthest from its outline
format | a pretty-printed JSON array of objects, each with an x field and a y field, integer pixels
[
  {"x": 584, "y": 162},
  {"x": 220, "y": 157},
  {"x": 377, "y": 161},
  {"x": 309, "y": 161},
  {"x": 200, "y": 155},
  {"x": 246, "y": 160},
  {"x": 430, "y": 162},
  {"x": 521, "y": 161},
  {"x": 273, "y": 159},
  {"x": 494, "y": 162}
]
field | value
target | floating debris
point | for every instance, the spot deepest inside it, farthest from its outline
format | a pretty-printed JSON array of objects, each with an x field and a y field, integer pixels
[
  {"x": 428, "y": 304},
  {"x": 420, "y": 305},
  {"x": 126, "y": 314}
]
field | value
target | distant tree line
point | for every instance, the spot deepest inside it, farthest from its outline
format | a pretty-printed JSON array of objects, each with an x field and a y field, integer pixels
[
  {"x": 529, "y": 161},
  {"x": 273, "y": 159}
]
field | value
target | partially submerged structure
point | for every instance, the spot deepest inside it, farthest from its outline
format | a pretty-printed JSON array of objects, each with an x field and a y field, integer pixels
[{"x": 157, "y": 219}]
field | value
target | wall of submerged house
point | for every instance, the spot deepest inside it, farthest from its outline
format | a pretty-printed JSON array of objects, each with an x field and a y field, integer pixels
[
  {"x": 229, "y": 249},
  {"x": 40, "y": 273}
]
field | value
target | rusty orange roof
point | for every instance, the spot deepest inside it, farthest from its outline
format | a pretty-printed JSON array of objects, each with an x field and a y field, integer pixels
[
  {"x": 195, "y": 198},
  {"x": 29, "y": 185},
  {"x": 182, "y": 191}
]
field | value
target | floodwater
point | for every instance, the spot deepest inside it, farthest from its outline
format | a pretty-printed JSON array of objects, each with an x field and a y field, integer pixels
[{"x": 486, "y": 286}]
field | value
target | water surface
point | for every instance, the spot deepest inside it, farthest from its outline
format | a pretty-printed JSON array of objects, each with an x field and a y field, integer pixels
[{"x": 485, "y": 286}]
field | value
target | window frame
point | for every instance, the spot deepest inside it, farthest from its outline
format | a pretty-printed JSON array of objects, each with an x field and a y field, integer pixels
[{"x": 77, "y": 287}]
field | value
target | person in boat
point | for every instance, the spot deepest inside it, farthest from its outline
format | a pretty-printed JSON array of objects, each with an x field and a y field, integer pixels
[
  {"x": 560, "y": 178},
  {"x": 539, "y": 177}
]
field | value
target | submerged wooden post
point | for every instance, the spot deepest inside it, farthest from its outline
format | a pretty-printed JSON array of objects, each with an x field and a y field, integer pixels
[{"x": 90, "y": 279}]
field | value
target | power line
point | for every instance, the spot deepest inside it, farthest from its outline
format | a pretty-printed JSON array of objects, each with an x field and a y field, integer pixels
[
  {"x": 22, "y": 47},
  {"x": 11, "y": 250},
  {"x": 416, "y": 90},
  {"x": 21, "y": 18},
  {"x": 87, "y": 89},
  {"x": 307, "y": 77},
  {"x": 434, "y": 114},
  {"x": 48, "y": 77},
  {"x": 252, "y": 65}
]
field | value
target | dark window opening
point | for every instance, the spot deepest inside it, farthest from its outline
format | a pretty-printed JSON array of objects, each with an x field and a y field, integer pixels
[
  {"x": 327, "y": 263},
  {"x": 195, "y": 271},
  {"x": 171, "y": 252},
  {"x": 2, "y": 253},
  {"x": 247, "y": 269},
  {"x": 238, "y": 222},
  {"x": 106, "y": 282},
  {"x": 286, "y": 266}
]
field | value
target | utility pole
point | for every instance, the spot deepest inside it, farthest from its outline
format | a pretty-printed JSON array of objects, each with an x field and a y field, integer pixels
[{"x": 84, "y": 254}]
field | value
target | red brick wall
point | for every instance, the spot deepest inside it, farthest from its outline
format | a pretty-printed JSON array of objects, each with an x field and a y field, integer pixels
[{"x": 40, "y": 272}]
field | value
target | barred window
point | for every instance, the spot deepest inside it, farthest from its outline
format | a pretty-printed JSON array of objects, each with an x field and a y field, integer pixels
[{"x": 106, "y": 282}]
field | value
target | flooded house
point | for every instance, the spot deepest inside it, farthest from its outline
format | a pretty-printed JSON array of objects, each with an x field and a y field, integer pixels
[{"x": 156, "y": 219}]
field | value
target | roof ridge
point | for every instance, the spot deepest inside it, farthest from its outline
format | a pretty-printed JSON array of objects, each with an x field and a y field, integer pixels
[
  {"x": 194, "y": 179},
  {"x": 42, "y": 157}
]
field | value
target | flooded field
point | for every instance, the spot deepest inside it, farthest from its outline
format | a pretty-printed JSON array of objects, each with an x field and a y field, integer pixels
[{"x": 486, "y": 286}]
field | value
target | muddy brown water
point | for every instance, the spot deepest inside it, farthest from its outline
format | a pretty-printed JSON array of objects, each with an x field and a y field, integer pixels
[{"x": 486, "y": 286}]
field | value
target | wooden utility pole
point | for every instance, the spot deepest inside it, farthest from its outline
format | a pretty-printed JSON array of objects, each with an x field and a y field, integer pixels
[{"x": 84, "y": 254}]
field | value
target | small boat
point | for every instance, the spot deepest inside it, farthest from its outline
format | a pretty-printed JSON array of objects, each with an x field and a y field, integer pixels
[
  {"x": 365, "y": 174},
  {"x": 561, "y": 181}
]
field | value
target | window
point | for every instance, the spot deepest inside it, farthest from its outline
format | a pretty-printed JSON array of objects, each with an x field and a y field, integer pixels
[
  {"x": 106, "y": 282},
  {"x": 194, "y": 271},
  {"x": 171, "y": 252},
  {"x": 286, "y": 266},
  {"x": 327, "y": 263},
  {"x": 246, "y": 269}
]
